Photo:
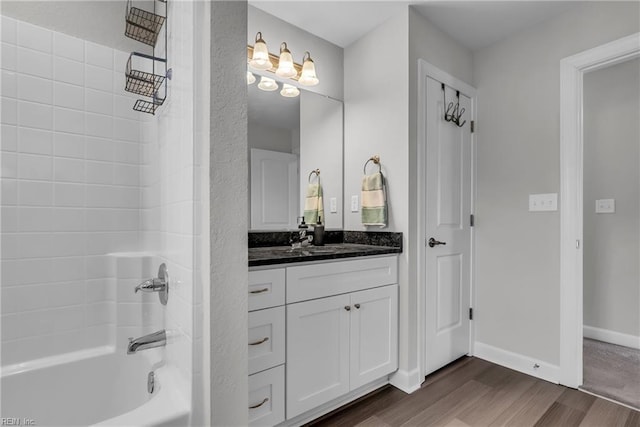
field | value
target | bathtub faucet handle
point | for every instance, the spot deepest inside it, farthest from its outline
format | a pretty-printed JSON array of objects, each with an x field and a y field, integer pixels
[{"x": 159, "y": 284}]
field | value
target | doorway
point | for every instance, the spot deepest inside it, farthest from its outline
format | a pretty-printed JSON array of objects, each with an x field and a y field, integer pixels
[
  {"x": 445, "y": 205},
  {"x": 572, "y": 70}
]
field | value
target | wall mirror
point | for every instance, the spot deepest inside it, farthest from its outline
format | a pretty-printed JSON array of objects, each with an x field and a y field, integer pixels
[{"x": 289, "y": 137}]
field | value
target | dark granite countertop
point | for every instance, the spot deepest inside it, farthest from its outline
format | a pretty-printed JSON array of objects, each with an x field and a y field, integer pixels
[{"x": 271, "y": 255}]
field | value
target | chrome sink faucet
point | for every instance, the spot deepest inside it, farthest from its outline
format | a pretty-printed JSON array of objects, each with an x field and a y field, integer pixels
[
  {"x": 156, "y": 339},
  {"x": 299, "y": 239}
]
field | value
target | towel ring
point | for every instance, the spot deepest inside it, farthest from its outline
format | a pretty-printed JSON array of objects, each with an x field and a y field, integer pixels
[
  {"x": 315, "y": 172},
  {"x": 376, "y": 160}
]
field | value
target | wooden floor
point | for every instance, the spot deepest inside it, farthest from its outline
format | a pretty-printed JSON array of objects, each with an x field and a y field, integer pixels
[{"x": 473, "y": 392}]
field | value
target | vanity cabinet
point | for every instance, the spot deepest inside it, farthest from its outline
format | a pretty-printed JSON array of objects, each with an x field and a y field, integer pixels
[
  {"x": 338, "y": 344},
  {"x": 338, "y": 322}
]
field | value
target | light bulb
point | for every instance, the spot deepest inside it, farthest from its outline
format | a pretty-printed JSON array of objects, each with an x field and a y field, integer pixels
[
  {"x": 251, "y": 79},
  {"x": 289, "y": 91},
  {"x": 267, "y": 84},
  {"x": 260, "y": 59},
  {"x": 308, "y": 76},
  {"x": 285, "y": 65}
]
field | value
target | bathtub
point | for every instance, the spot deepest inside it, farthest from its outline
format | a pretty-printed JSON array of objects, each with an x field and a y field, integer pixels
[{"x": 100, "y": 387}]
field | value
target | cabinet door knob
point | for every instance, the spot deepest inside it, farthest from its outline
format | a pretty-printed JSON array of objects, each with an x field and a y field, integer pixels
[
  {"x": 266, "y": 399},
  {"x": 356, "y": 305},
  {"x": 348, "y": 308}
]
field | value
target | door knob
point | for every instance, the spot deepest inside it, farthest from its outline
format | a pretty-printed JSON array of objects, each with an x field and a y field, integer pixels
[{"x": 433, "y": 242}]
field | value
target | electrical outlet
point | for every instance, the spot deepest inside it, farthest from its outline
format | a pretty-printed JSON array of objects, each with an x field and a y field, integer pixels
[
  {"x": 543, "y": 202},
  {"x": 606, "y": 206},
  {"x": 333, "y": 205},
  {"x": 354, "y": 203}
]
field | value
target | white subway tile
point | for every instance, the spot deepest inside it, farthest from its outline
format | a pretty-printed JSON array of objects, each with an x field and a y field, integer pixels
[
  {"x": 37, "y": 245},
  {"x": 98, "y": 102},
  {"x": 70, "y": 121},
  {"x": 68, "y": 219},
  {"x": 98, "y": 243},
  {"x": 35, "y": 63},
  {"x": 68, "y": 96},
  {"x": 9, "y": 138},
  {"x": 35, "y": 141},
  {"x": 9, "y": 112},
  {"x": 129, "y": 314},
  {"x": 34, "y": 219},
  {"x": 35, "y": 167},
  {"x": 9, "y": 220},
  {"x": 120, "y": 59},
  {"x": 98, "y": 290},
  {"x": 43, "y": 322},
  {"x": 8, "y": 57},
  {"x": 33, "y": 193},
  {"x": 25, "y": 271},
  {"x": 126, "y": 175},
  {"x": 35, "y": 115},
  {"x": 126, "y": 152},
  {"x": 100, "y": 335},
  {"x": 69, "y": 244},
  {"x": 100, "y": 313},
  {"x": 68, "y": 269},
  {"x": 98, "y": 125},
  {"x": 69, "y": 170},
  {"x": 68, "y": 71},
  {"x": 68, "y": 145},
  {"x": 100, "y": 267},
  {"x": 35, "y": 89},
  {"x": 34, "y": 37},
  {"x": 98, "y": 78},
  {"x": 17, "y": 299},
  {"x": 99, "y": 55},
  {"x": 125, "y": 288},
  {"x": 123, "y": 106},
  {"x": 101, "y": 219},
  {"x": 69, "y": 194},
  {"x": 9, "y": 84},
  {"x": 99, "y": 173},
  {"x": 127, "y": 130},
  {"x": 68, "y": 47},
  {"x": 9, "y": 30},
  {"x": 10, "y": 245},
  {"x": 99, "y": 149}
]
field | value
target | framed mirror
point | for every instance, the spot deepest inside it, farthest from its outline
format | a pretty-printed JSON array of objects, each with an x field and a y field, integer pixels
[{"x": 289, "y": 137}]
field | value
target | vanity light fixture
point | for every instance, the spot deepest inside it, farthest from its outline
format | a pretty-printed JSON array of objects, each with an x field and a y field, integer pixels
[
  {"x": 260, "y": 59},
  {"x": 289, "y": 91},
  {"x": 285, "y": 63},
  {"x": 308, "y": 76},
  {"x": 267, "y": 84},
  {"x": 251, "y": 79}
]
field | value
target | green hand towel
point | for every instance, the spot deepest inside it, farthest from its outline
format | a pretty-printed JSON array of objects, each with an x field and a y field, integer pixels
[
  {"x": 374, "y": 200},
  {"x": 313, "y": 204}
]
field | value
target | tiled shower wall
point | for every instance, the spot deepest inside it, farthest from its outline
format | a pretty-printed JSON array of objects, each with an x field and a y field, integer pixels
[{"x": 70, "y": 190}]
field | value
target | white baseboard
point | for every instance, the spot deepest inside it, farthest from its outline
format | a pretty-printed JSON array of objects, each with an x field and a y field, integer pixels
[
  {"x": 611, "y": 337},
  {"x": 518, "y": 362},
  {"x": 407, "y": 381}
]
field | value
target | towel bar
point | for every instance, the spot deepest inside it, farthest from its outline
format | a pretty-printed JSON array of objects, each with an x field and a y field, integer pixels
[
  {"x": 376, "y": 160},
  {"x": 316, "y": 172}
]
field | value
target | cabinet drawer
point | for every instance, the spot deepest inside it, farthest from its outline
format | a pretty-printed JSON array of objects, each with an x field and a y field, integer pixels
[
  {"x": 266, "y": 288},
  {"x": 266, "y": 397},
  {"x": 321, "y": 280},
  {"x": 266, "y": 339}
]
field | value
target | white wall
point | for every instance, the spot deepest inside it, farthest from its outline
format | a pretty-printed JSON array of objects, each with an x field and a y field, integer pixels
[
  {"x": 380, "y": 119},
  {"x": 70, "y": 190},
  {"x": 328, "y": 58},
  {"x": 272, "y": 138},
  {"x": 612, "y": 171},
  {"x": 517, "y": 252},
  {"x": 321, "y": 148}
]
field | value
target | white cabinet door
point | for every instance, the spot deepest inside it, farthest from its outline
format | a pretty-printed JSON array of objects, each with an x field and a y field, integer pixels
[
  {"x": 266, "y": 397},
  {"x": 374, "y": 334},
  {"x": 317, "y": 352}
]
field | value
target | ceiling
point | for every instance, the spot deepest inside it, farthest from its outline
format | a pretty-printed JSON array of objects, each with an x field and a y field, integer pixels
[{"x": 474, "y": 24}]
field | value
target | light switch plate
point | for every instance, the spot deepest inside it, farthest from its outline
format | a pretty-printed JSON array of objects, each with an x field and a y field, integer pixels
[
  {"x": 354, "y": 203},
  {"x": 606, "y": 206},
  {"x": 333, "y": 205},
  {"x": 543, "y": 202}
]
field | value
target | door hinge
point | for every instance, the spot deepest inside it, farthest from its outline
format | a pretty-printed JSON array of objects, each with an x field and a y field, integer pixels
[
  {"x": 473, "y": 126},
  {"x": 470, "y": 313},
  {"x": 472, "y": 219}
]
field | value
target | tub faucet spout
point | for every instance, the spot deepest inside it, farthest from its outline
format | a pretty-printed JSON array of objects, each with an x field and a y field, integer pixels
[{"x": 156, "y": 339}]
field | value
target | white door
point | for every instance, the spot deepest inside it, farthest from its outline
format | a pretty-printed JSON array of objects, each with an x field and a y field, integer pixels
[
  {"x": 274, "y": 189},
  {"x": 374, "y": 334},
  {"x": 317, "y": 352},
  {"x": 448, "y": 210}
]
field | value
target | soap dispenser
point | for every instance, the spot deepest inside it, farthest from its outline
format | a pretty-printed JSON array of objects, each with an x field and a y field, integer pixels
[{"x": 318, "y": 233}]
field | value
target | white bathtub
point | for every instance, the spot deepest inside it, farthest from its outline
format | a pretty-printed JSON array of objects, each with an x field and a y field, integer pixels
[{"x": 108, "y": 389}]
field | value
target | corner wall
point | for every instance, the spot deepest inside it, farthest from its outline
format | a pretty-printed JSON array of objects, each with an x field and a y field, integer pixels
[{"x": 517, "y": 252}]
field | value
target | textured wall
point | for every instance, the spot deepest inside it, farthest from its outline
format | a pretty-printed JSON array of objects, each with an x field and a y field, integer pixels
[
  {"x": 612, "y": 171},
  {"x": 518, "y": 252}
]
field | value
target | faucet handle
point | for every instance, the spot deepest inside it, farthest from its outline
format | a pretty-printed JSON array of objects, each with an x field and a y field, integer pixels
[{"x": 159, "y": 284}]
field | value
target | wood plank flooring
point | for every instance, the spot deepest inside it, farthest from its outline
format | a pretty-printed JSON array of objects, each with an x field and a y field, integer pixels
[{"x": 472, "y": 392}]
